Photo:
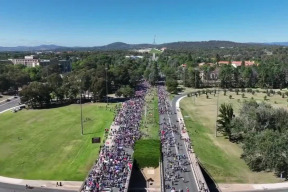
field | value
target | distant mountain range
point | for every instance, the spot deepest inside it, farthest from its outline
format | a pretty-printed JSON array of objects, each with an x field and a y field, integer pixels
[
  {"x": 124, "y": 46},
  {"x": 278, "y": 43}
]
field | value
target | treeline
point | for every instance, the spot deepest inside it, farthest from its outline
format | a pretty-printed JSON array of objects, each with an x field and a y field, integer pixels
[
  {"x": 91, "y": 75},
  {"x": 262, "y": 132},
  {"x": 269, "y": 71}
]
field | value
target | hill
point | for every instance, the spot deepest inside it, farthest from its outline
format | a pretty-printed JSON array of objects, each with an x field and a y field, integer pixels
[
  {"x": 186, "y": 45},
  {"x": 279, "y": 43},
  {"x": 32, "y": 48}
]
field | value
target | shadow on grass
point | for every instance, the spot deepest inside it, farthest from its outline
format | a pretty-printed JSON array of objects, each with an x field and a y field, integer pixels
[
  {"x": 90, "y": 133},
  {"x": 137, "y": 182},
  {"x": 209, "y": 180}
]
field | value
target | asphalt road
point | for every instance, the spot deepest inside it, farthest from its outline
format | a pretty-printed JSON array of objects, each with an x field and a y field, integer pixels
[
  {"x": 7, "y": 105},
  {"x": 176, "y": 149},
  {"x": 4, "y": 187}
]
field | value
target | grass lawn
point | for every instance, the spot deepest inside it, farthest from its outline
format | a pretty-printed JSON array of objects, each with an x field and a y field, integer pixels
[
  {"x": 47, "y": 144},
  {"x": 219, "y": 156},
  {"x": 147, "y": 153},
  {"x": 155, "y": 51},
  {"x": 151, "y": 127}
]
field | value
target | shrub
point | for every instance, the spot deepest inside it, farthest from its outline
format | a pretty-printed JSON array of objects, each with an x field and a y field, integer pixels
[
  {"x": 237, "y": 91},
  {"x": 265, "y": 97},
  {"x": 230, "y": 96},
  {"x": 243, "y": 95},
  {"x": 268, "y": 94}
]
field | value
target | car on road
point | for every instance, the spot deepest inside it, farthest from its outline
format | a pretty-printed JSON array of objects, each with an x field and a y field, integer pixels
[{"x": 7, "y": 100}]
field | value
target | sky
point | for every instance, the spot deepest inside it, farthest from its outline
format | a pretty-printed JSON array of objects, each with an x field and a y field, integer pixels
[{"x": 100, "y": 22}]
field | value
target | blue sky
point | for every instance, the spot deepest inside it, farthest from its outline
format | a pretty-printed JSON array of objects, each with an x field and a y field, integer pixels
[{"x": 99, "y": 22}]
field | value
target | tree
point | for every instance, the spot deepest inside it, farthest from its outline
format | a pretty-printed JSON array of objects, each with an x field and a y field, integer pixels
[
  {"x": 5, "y": 83},
  {"x": 226, "y": 115},
  {"x": 218, "y": 58},
  {"x": 55, "y": 83},
  {"x": 36, "y": 94},
  {"x": 226, "y": 76},
  {"x": 125, "y": 91},
  {"x": 172, "y": 85}
]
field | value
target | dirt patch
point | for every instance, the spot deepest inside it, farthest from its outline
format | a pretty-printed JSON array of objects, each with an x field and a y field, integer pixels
[{"x": 152, "y": 174}]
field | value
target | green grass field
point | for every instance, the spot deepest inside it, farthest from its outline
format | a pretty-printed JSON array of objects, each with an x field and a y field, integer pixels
[
  {"x": 47, "y": 144},
  {"x": 155, "y": 51},
  {"x": 219, "y": 156}
]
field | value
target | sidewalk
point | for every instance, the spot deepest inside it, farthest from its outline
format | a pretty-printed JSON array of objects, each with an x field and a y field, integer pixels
[{"x": 66, "y": 185}]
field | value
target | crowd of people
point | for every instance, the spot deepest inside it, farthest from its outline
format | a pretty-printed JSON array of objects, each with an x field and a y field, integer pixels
[
  {"x": 114, "y": 164},
  {"x": 177, "y": 163}
]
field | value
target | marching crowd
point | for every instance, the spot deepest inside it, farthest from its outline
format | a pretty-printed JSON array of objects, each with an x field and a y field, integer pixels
[
  {"x": 115, "y": 162},
  {"x": 177, "y": 163}
]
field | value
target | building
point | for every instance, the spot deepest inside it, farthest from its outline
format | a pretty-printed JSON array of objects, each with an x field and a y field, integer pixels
[
  {"x": 134, "y": 57},
  {"x": 32, "y": 61},
  {"x": 65, "y": 65},
  {"x": 29, "y": 61},
  {"x": 210, "y": 78},
  {"x": 147, "y": 50},
  {"x": 237, "y": 63},
  {"x": 44, "y": 62}
]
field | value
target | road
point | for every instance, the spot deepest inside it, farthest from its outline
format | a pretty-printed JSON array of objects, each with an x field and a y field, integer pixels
[
  {"x": 7, "y": 105},
  {"x": 174, "y": 151},
  {"x": 4, "y": 187}
]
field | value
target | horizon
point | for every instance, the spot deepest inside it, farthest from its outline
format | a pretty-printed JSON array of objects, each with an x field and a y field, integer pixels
[
  {"x": 142, "y": 43},
  {"x": 77, "y": 24}
]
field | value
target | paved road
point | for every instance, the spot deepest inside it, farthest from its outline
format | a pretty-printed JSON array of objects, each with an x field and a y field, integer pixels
[
  {"x": 4, "y": 187},
  {"x": 175, "y": 147},
  {"x": 7, "y": 105}
]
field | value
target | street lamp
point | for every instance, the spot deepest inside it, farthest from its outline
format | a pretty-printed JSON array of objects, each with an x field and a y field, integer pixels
[
  {"x": 217, "y": 113},
  {"x": 106, "y": 86},
  {"x": 81, "y": 113}
]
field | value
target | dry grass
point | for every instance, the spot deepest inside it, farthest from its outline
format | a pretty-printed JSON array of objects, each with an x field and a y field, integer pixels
[{"x": 219, "y": 156}]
